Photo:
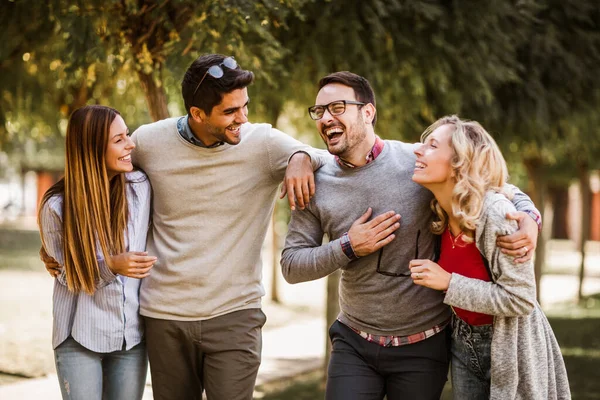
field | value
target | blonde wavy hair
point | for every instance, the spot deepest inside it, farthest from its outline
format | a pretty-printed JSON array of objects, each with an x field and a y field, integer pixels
[{"x": 478, "y": 167}]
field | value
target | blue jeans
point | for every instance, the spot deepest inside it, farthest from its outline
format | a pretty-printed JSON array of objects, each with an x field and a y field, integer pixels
[
  {"x": 471, "y": 357},
  {"x": 86, "y": 375}
]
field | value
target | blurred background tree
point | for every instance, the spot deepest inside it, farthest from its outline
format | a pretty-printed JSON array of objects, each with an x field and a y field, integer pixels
[{"x": 558, "y": 58}]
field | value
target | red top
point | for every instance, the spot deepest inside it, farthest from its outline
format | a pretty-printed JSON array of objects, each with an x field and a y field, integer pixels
[{"x": 464, "y": 259}]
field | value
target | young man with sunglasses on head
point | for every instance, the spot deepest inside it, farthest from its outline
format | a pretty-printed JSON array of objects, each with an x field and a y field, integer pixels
[
  {"x": 389, "y": 338},
  {"x": 214, "y": 177}
]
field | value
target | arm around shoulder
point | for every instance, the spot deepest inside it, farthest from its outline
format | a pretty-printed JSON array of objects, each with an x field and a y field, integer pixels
[
  {"x": 282, "y": 147},
  {"x": 523, "y": 203}
]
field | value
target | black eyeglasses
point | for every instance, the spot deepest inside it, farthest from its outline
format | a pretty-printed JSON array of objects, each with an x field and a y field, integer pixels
[
  {"x": 337, "y": 107},
  {"x": 216, "y": 71},
  {"x": 403, "y": 274}
]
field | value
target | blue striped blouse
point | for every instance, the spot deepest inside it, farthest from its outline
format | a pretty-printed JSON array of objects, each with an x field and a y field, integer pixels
[{"x": 108, "y": 319}]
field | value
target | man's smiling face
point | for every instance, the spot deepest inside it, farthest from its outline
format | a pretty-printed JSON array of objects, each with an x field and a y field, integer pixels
[
  {"x": 224, "y": 122},
  {"x": 345, "y": 132}
]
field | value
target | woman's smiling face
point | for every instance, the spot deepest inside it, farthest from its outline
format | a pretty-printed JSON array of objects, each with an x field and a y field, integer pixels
[
  {"x": 118, "y": 148},
  {"x": 434, "y": 158}
]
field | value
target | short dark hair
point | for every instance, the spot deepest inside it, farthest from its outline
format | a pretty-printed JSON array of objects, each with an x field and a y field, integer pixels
[
  {"x": 211, "y": 92},
  {"x": 362, "y": 88}
]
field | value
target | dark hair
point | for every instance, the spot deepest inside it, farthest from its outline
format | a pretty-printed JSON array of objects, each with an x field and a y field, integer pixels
[
  {"x": 362, "y": 88},
  {"x": 211, "y": 92}
]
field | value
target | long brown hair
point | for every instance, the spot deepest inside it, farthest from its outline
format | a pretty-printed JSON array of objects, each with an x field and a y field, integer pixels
[{"x": 94, "y": 207}]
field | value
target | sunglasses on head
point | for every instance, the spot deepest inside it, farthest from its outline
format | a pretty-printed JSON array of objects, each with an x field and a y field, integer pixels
[{"x": 216, "y": 71}]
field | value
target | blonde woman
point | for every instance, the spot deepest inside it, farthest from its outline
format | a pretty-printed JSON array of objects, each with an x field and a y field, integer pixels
[
  {"x": 93, "y": 222},
  {"x": 502, "y": 344}
]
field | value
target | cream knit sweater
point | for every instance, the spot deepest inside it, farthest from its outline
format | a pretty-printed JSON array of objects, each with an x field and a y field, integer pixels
[{"x": 210, "y": 214}]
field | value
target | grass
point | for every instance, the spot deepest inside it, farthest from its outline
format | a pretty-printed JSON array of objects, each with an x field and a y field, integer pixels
[
  {"x": 309, "y": 387},
  {"x": 579, "y": 339},
  {"x": 19, "y": 250},
  {"x": 20, "y": 259}
]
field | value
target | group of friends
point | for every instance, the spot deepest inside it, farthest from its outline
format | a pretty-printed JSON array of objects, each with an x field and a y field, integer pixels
[{"x": 154, "y": 241}]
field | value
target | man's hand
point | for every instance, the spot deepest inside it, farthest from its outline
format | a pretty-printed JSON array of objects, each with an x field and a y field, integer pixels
[
  {"x": 429, "y": 274},
  {"x": 134, "y": 264},
  {"x": 299, "y": 181},
  {"x": 523, "y": 242},
  {"x": 367, "y": 236},
  {"x": 50, "y": 263}
]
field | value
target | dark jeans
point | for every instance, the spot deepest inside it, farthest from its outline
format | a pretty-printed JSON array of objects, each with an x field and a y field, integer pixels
[
  {"x": 471, "y": 358},
  {"x": 220, "y": 355},
  {"x": 362, "y": 370}
]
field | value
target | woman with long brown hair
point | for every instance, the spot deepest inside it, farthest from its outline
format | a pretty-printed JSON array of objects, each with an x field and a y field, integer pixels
[
  {"x": 502, "y": 344},
  {"x": 94, "y": 222}
]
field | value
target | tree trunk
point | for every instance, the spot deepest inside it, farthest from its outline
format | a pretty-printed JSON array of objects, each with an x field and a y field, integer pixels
[
  {"x": 584, "y": 187},
  {"x": 333, "y": 309},
  {"x": 272, "y": 117},
  {"x": 80, "y": 96},
  {"x": 275, "y": 254},
  {"x": 156, "y": 98},
  {"x": 559, "y": 196},
  {"x": 537, "y": 190}
]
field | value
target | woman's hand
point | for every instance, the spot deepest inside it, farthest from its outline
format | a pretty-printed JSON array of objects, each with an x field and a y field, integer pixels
[
  {"x": 521, "y": 244},
  {"x": 134, "y": 264},
  {"x": 429, "y": 274},
  {"x": 50, "y": 263}
]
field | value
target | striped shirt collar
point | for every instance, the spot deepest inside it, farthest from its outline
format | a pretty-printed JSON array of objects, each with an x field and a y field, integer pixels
[
  {"x": 183, "y": 127},
  {"x": 371, "y": 156}
]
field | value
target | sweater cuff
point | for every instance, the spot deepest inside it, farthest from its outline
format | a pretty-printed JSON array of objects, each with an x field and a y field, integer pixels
[
  {"x": 536, "y": 217},
  {"x": 300, "y": 151},
  {"x": 347, "y": 247},
  {"x": 106, "y": 275},
  {"x": 453, "y": 288}
]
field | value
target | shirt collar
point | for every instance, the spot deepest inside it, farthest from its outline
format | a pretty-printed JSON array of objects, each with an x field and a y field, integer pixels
[
  {"x": 183, "y": 127},
  {"x": 371, "y": 156}
]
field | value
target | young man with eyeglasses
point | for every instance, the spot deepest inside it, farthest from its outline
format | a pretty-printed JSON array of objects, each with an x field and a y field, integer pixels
[
  {"x": 389, "y": 338},
  {"x": 214, "y": 177}
]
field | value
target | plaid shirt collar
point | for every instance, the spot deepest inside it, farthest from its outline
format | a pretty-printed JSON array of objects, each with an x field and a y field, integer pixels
[{"x": 375, "y": 151}]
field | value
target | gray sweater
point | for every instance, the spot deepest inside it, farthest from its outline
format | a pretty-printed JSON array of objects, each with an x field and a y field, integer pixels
[
  {"x": 369, "y": 301},
  {"x": 526, "y": 359}
]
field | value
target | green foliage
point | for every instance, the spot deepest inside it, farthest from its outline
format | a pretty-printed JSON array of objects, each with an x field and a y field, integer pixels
[
  {"x": 526, "y": 69},
  {"x": 113, "y": 52},
  {"x": 23, "y": 30},
  {"x": 421, "y": 56},
  {"x": 559, "y": 59}
]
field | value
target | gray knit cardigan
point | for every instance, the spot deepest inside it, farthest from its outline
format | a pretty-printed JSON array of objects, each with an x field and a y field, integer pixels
[{"x": 526, "y": 360}]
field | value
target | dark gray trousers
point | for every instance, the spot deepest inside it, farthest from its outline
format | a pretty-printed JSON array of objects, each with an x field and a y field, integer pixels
[
  {"x": 220, "y": 355},
  {"x": 362, "y": 370}
]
